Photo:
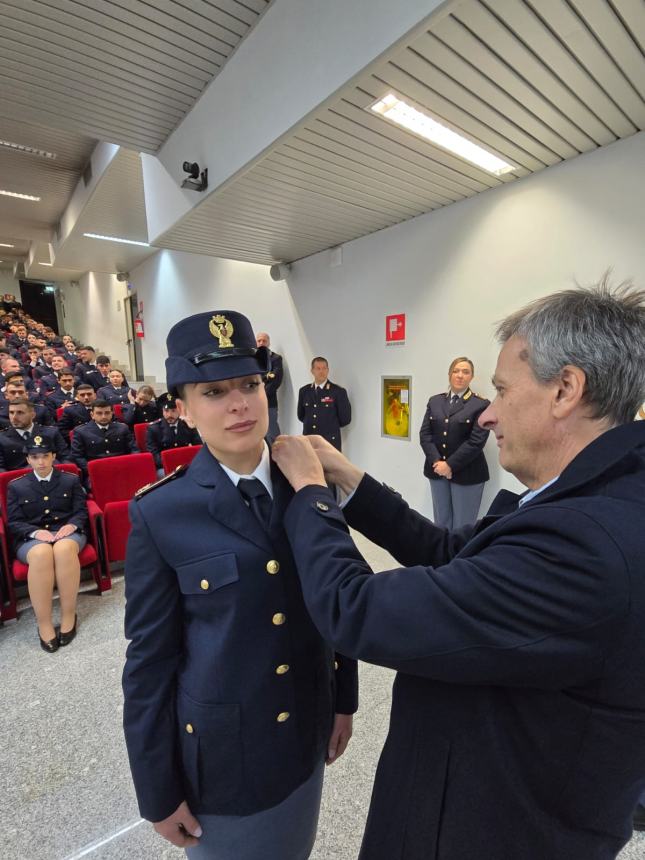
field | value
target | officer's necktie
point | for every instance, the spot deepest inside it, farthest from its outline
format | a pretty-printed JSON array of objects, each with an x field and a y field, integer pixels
[
  {"x": 255, "y": 493},
  {"x": 454, "y": 400}
]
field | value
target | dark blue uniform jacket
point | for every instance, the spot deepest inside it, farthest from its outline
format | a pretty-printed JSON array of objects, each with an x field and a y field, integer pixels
[
  {"x": 73, "y": 416},
  {"x": 13, "y": 451},
  {"x": 323, "y": 411},
  {"x": 518, "y": 717},
  {"x": 32, "y": 504},
  {"x": 451, "y": 433},
  {"x": 114, "y": 395},
  {"x": 91, "y": 443},
  {"x": 273, "y": 380},
  {"x": 160, "y": 436},
  {"x": 221, "y": 645}
]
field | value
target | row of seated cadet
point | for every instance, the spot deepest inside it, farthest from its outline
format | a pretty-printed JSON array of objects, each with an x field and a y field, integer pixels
[{"x": 55, "y": 397}]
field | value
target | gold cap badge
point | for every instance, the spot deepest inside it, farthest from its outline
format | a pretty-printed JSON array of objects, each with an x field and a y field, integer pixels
[
  {"x": 222, "y": 329},
  {"x": 38, "y": 440}
]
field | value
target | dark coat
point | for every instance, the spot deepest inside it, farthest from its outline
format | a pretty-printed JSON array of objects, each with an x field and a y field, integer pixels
[
  {"x": 208, "y": 669},
  {"x": 57, "y": 397},
  {"x": 273, "y": 380},
  {"x": 134, "y": 413},
  {"x": 42, "y": 415},
  {"x": 114, "y": 395},
  {"x": 324, "y": 411},
  {"x": 518, "y": 716},
  {"x": 160, "y": 436},
  {"x": 91, "y": 374},
  {"x": 33, "y": 505},
  {"x": 73, "y": 416},
  {"x": 451, "y": 433},
  {"x": 91, "y": 443},
  {"x": 13, "y": 451}
]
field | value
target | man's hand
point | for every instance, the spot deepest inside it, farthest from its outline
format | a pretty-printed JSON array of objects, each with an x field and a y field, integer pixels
[
  {"x": 65, "y": 531},
  {"x": 181, "y": 828},
  {"x": 340, "y": 735},
  {"x": 338, "y": 469},
  {"x": 442, "y": 468},
  {"x": 298, "y": 461},
  {"x": 44, "y": 535}
]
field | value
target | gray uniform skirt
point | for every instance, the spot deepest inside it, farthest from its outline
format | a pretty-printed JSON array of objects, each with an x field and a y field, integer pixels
[{"x": 24, "y": 548}]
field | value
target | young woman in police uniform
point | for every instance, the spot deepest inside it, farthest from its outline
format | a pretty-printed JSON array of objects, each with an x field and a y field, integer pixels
[{"x": 232, "y": 700}]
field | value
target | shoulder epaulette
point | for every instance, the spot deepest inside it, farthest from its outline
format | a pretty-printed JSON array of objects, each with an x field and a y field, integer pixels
[
  {"x": 142, "y": 491},
  {"x": 18, "y": 478}
]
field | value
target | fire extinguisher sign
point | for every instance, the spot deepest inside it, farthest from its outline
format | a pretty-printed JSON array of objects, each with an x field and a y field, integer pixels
[{"x": 395, "y": 330}]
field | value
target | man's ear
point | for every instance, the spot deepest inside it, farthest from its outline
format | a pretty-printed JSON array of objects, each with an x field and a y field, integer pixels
[
  {"x": 184, "y": 413},
  {"x": 570, "y": 390}
]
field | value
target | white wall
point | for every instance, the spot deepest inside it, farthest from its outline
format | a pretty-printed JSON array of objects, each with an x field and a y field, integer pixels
[
  {"x": 173, "y": 285},
  {"x": 454, "y": 272},
  {"x": 94, "y": 314},
  {"x": 8, "y": 284}
]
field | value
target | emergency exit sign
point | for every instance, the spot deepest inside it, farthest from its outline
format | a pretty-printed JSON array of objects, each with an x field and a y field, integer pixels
[{"x": 395, "y": 329}]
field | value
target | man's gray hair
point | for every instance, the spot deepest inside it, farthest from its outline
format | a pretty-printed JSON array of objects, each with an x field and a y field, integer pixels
[{"x": 601, "y": 330}]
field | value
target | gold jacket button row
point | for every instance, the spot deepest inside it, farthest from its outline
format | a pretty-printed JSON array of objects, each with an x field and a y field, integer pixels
[
  {"x": 335, "y": 664},
  {"x": 279, "y": 618},
  {"x": 282, "y": 669},
  {"x": 273, "y": 566},
  {"x": 283, "y": 716},
  {"x": 189, "y": 728},
  {"x": 204, "y": 585}
]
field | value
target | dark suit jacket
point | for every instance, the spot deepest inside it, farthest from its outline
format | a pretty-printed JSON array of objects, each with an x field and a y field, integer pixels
[
  {"x": 208, "y": 669},
  {"x": 91, "y": 443},
  {"x": 160, "y": 437},
  {"x": 73, "y": 416},
  {"x": 324, "y": 411},
  {"x": 13, "y": 452},
  {"x": 114, "y": 395},
  {"x": 518, "y": 717},
  {"x": 451, "y": 433},
  {"x": 273, "y": 380},
  {"x": 33, "y": 505}
]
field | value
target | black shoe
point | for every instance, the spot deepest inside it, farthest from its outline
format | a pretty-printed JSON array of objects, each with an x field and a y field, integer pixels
[
  {"x": 638, "y": 822},
  {"x": 66, "y": 638},
  {"x": 51, "y": 646}
]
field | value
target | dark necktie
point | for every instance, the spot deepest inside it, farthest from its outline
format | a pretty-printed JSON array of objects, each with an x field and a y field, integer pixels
[
  {"x": 255, "y": 493},
  {"x": 454, "y": 400}
]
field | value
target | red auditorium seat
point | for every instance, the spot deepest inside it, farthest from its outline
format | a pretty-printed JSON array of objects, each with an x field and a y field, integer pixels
[
  {"x": 140, "y": 431},
  {"x": 174, "y": 457},
  {"x": 92, "y": 555},
  {"x": 117, "y": 408},
  {"x": 59, "y": 412},
  {"x": 115, "y": 480}
]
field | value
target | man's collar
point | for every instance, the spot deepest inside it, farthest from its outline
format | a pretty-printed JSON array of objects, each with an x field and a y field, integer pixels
[{"x": 47, "y": 478}]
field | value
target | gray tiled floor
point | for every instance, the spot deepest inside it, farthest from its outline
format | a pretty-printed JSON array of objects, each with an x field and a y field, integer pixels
[{"x": 65, "y": 786}]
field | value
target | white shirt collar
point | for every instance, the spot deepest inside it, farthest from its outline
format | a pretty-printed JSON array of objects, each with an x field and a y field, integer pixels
[
  {"x": 262, "y": 472},
  {"x": 321, "y": 384},
  {"x": 533, "y": 493},
  {"x": 458, "y": 394},
  {"x": 38, "y": 478}
]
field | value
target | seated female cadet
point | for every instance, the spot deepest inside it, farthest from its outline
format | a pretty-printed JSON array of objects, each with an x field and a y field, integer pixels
[
  {"x": 47, "y": 518},
  {"x": 143, "y": 409},
  {"x": 118, "y": 391},
  {"x": 230, "y": 692}
]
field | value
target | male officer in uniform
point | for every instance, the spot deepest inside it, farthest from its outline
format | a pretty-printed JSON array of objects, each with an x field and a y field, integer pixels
[
  {"x": 63, "y": 394},
  {"x": 517, "y": 729},
  {"x": 79, "y": 412},
  {"x": 323, "y": 406},
  {"x": 101, "y": 437},
  {"x": 86, "y": 369},
  {"x": 272, "y": 381},
  {"x": 14, "y": 441},
  {"x": 232, "y": 699},
  {"x": 15, "y": 390},
  {"x": 170, "y": 431}
]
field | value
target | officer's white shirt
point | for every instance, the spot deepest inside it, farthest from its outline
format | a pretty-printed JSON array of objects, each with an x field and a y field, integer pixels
[{"x": 262, "y": 471}]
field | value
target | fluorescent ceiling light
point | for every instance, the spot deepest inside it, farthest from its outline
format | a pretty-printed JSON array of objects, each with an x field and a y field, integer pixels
[
  {"x": 21, "y": 196},
  {"x": 116, "y": 239},
  {"x": 4, "y": 245},
  {"x": 400, "y": 112},
  {"x": 45, "y": 264},
  {"x": 28, "y": 150}
]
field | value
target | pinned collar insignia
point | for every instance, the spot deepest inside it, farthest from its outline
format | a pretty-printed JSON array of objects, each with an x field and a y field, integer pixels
[
  {"x": 222, "y": 329},
  {"x": 468, "y": 395}
]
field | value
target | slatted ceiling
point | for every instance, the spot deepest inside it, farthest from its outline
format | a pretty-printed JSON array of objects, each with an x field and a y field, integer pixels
[
  {"x": 631, "y": 15},
  {"x": 461, "y": 99},
  {"x": 124, "y": 71},
  {"x": 404, "y": 178}
]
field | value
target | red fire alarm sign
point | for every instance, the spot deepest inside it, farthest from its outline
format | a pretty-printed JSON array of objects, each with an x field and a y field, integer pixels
[{"x": 395, "y": 328}]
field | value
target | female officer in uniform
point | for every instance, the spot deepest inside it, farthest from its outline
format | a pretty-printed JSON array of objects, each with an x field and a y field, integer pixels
[
  {"x": 452, "y": 441},
  {"x": 232, "y": 700},
  {"x": 47, "y": 515}
]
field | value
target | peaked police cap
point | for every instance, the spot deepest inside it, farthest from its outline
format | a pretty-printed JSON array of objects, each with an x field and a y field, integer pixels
[{"x": 210, "y": 346}]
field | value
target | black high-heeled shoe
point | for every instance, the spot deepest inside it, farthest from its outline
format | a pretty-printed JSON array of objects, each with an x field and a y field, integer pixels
[
  {"x": 66, "y": 638},
  {"x": 51, "y": 646}
]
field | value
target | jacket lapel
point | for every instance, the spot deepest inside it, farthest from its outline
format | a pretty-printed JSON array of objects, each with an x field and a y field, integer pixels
[{"x": 225, "y": 504}]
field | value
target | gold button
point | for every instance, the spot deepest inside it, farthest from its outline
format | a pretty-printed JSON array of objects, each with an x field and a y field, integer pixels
[
  {"x": 282, "y": 669},
  {"x": 47, "y": 511},
  {"x": 313, "y": 426},
  {"x": 189, "y": 728},
  {"x": 335, "y": 664},
  {"x": 315, "y": 416},
  {"x": 445, "y": 432},
  {"x": 204, "y": 584},
  {"x": 443, "y": 446},
  {"x": 283, "y": 716},
  {"x": 45, "y": 498},
  {"x": 273, "y": 566},
  {"x": 447, "y": 419},
  {"x": 279, "y": 618},
  {"x": 322, "y": 506}
]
